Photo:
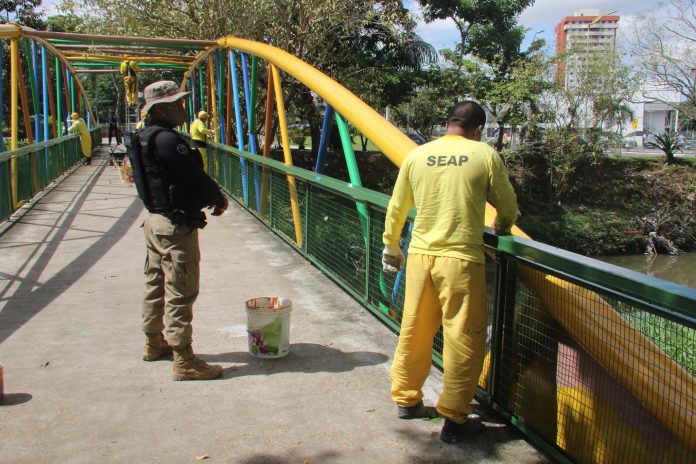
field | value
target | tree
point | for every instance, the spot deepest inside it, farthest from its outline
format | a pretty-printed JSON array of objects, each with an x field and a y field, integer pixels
[
  {"x": 493, "y": 67},
  {"x": 368, "y": 46},
  {"x": 23, "y": 12},
  {"x": 428, "y": 106},
  {"x": 597, "y": 99},
  {"x": 664, "y": 46},
  {"x": 476, "y": 19}
]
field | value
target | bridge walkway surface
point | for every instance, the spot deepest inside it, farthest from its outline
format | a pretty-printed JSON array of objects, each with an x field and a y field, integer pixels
[{"x": 77, "y": 391}]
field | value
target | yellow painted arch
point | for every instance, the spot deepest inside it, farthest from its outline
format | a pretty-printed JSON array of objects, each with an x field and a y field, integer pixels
[{"x": 14, "y": 31}]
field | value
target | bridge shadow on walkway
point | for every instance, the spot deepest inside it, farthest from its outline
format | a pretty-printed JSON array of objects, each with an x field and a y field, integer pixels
[{"x": 77, "y": 390}]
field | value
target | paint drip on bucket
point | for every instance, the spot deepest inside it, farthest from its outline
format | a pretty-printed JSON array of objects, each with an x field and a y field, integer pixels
[{"x": 268, "y": 326}]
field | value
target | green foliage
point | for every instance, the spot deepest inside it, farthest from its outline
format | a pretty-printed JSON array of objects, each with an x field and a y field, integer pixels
[
  {"x": 477, "y": 21},
  {"x": 63, "y": 23},
  {"x": 587, "y": 231},
  {"x": 489, "y": 64},
  {"x": 668, "y": 143},
  {"x": 24, "y": 12},
  {"x": 560, "y": 162},
  {"x": 427, "y": 108},
  {"x": 298, "y": 136},
  {"x": 574, "y": 197},
  {"x": 676, "y": 340}
]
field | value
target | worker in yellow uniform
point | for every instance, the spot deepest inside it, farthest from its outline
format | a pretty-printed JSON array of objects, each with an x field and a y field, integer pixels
[
  {"x": 199, "y": 136},
  {"x": 448, "y": 181},
  {"x": 144, "y": 119},
  {"x": 129, "y": 69},
  {"x": 78, "y": 126}
]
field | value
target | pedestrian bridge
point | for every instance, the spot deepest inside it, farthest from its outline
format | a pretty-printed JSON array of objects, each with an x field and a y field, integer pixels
[{"x": 590, "y": 362}]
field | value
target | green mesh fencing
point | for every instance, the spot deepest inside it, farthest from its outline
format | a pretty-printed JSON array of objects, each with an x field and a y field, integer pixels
[
  {"x": 555, "y": 378},
  {"x": 37, "y": 166}
]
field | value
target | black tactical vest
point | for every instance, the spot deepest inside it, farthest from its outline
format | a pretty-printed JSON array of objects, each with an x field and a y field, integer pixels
[{"x": 151, "y": 181}]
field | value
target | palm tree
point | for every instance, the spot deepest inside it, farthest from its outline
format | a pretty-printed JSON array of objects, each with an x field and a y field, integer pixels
[{"x": 668, "y": 143}]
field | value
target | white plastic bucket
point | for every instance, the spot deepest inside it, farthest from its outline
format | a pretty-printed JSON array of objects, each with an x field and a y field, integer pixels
[{"x": 268, "y": 326}]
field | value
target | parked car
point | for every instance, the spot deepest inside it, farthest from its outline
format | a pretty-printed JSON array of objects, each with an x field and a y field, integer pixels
[
  {"x": 648, "y": 138},
  {"x": 630, "y": 143},
  {"x": 416, "y": 138}
]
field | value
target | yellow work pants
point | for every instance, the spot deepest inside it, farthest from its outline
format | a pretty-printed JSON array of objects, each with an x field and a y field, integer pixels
[
  {"x": 204, "y": 155},
  {"x": 131, "y": 85},
  {"x": 451, "y": 292},
  {"x": 86, "y": 145}
]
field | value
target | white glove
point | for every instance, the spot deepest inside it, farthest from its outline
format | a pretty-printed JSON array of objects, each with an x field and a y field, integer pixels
[{"x": 392, "y": 259}]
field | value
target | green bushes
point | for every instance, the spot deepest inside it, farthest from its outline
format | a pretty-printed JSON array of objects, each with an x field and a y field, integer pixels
[{"x": 574, "y": 197}]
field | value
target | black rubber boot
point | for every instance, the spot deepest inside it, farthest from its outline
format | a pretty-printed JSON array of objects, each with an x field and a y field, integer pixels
[{"x": 457, "y": 433}]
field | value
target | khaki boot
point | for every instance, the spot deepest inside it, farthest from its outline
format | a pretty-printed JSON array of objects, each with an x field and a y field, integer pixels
[
  {"x": 188, "y": 367},
  {"x": 155, "y": 347}
]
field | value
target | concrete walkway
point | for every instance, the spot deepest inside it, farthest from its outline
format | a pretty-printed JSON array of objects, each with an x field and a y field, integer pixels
[{"x": 77, "y": 391}]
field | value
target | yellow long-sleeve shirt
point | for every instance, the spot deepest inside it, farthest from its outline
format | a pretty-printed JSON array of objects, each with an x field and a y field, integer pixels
[
  {"x": 199, "y": 131},
  {"x": 80, "y": 127},
  {"x": 449, "y": 181}
]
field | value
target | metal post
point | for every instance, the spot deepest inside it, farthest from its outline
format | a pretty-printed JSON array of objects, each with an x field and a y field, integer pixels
[
  {"x": 325, "y": 138},
  {"x": 59, "y": 100},
  {"x": 2, "y": 142},
  {"x": 46, "y": 112},
  {"x": 238, "y": 124},
  {"x": 251, "y": 141},
  {"x": 14, "y": 115}
]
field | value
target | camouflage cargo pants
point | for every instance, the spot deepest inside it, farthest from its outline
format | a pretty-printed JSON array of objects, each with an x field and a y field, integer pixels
[{"x": 171, "y": 279}]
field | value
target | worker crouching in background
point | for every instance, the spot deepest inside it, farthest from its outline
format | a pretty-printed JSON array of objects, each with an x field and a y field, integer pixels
[{"x": 80, "y": 127}]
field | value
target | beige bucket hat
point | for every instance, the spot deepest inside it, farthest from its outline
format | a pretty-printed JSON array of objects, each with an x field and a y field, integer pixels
[{"x": 162, "y": 92}]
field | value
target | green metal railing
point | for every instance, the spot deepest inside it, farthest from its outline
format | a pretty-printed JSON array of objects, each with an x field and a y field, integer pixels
[
  {"x": 545, "y": 380},
  {"x": 37, "y": 166}
]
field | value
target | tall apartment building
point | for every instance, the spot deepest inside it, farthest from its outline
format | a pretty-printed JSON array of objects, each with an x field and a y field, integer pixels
[{"x": 587, "y": 32}]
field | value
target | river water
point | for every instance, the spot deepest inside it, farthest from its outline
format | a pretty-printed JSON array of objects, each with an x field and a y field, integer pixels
[{"x": 679, "y": 269}]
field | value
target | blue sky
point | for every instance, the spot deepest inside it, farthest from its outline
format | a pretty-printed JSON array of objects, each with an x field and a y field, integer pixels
[{"x": 541, "y": 17}]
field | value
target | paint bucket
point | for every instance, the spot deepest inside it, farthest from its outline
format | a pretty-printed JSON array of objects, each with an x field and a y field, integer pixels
[
  {"x": 2, "y": 383},
  {"x": 268, "y": 326}
]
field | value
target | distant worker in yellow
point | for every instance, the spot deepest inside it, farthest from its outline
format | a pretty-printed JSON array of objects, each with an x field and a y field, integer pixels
[
  {"x": 129, "y": 69},
  {"x": 199, "y": 136},
  {"x": 144, "y": 119},
  {"x": 78, "y": 126}
]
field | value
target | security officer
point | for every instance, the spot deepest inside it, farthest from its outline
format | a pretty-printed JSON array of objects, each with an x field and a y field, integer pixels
[
  {"x": 448, "y": 181},
  {"x": 78, "y": 125},
  {"x": 174, "y": 187},
  {"x": 199, "y": 137}
]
